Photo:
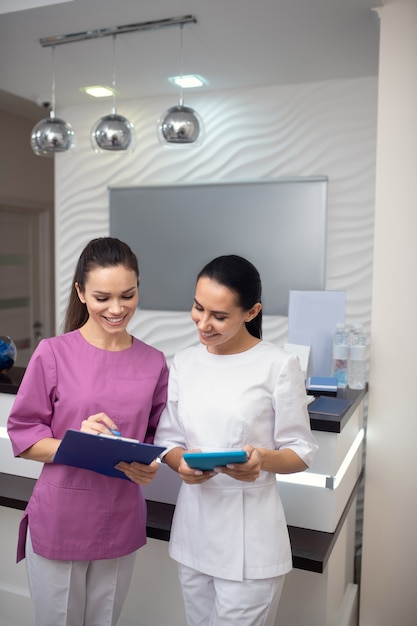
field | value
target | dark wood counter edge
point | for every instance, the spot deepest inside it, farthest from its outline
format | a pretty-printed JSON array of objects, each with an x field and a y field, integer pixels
[
  {"x": 311, "y": 549},
  {"x": 10, "y": 381},
  {"x": 333, "y": 423}
]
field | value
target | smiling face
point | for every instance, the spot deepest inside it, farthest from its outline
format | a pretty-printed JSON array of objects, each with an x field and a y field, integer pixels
[
  {"x": 220, "y": 321},
  {"x": 111, "y": 297}
]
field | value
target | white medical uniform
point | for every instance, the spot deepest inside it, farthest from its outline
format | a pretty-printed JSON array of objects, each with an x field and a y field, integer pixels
[{"x": 225, "y": 528}]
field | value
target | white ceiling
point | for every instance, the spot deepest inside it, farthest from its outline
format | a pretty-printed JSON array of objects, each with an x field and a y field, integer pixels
[{"x": 234, "y": 44}]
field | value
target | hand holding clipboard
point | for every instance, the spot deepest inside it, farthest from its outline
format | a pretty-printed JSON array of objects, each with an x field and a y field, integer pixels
[{"x": 100, "y": 453}]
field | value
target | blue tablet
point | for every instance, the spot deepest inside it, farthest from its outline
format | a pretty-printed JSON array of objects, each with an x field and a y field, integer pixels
[{"x": 210, "y": 460}]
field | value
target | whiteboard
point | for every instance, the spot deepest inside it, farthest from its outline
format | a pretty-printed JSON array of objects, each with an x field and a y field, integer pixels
[{"x": 277, "y": 224}]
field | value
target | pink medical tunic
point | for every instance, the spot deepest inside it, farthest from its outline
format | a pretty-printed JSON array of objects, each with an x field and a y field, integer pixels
[{"x": 78, "y": 514}]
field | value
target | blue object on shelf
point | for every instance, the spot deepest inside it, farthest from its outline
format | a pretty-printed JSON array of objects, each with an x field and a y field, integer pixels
[
  {"x": 8, "y": 353},
  {"x": 322, "y": 383}
]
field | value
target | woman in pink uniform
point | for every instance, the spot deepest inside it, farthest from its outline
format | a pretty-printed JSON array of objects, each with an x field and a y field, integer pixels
[{"x": 80, "y": 530}]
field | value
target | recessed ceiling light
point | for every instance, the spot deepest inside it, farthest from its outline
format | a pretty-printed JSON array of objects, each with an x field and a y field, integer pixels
[
  {"x": 189, "y": 81},
  {"x": 98, "y": 91}
]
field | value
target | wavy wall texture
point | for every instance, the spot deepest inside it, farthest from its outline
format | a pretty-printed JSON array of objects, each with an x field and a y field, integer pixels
[{"x": 326, "y": 128}]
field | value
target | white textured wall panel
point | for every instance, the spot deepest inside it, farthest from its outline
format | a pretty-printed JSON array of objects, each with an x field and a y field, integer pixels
[{"x": 324, "y": 128}]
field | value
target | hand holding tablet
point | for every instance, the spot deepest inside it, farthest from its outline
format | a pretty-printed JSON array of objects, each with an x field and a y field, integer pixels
[{"x": 210, "y": 460}]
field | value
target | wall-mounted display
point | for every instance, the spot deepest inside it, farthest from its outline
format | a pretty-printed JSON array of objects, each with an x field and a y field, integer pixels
[{"x": 279, "y": 225}]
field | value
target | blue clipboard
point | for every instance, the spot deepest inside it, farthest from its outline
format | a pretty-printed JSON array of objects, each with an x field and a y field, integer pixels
[{"x": 101, "y": 453}]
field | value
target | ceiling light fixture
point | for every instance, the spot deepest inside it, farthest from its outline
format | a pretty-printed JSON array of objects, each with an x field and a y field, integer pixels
[
  {"x": 58, "y": 40},
  {"x": 113, "y": 132},
  {"x": 190, "y": 81},
  {"x": 51, "y": 135},
  {"x": 180, "y": 125},
  {"x": 98, "y": 91}
]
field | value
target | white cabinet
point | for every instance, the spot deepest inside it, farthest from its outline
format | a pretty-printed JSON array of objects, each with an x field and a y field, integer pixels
[{"x": 316, "y": 499}]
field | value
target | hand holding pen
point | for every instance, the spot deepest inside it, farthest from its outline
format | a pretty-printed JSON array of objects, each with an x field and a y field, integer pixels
[{"x": 100, "y": 424}]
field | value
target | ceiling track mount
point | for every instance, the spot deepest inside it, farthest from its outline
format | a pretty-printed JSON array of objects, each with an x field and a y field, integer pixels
[{"x": 58, "y": 40}]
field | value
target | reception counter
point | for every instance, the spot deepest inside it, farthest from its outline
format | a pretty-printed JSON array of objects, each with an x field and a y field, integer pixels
[
  {"x": 311, "y": 549},
  {"x": 320, "y": 510}
]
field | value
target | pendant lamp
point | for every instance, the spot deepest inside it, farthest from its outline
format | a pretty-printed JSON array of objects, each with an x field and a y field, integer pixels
[
  {"x": 180, "y": 124},
  {"x": 112, "y": 132},
  {"x": 52, "y": 135}
]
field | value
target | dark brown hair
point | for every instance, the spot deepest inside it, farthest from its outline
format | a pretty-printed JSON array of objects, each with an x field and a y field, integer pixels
[
  {"x": 239, "y": 275},
  {"x": 100, "y": 252}
]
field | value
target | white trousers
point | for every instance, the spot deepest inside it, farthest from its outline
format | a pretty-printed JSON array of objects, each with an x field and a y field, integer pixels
[
  {"x": 212, "y": 601},
  {"x": 77, "y": 593}
]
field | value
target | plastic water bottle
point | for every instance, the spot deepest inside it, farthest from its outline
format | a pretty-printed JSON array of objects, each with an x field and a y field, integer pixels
[
  {"x": 340, "y": 355},
  {"x": 357, "y": 359}
]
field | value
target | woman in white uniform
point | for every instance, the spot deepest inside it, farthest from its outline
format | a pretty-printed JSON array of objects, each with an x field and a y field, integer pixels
[{"x": 233, "y": 391}]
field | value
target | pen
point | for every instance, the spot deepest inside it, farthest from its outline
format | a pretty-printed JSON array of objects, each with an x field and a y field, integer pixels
[
  {"x": 114, "y": 432},
  {"x": 118, "y": 437}
]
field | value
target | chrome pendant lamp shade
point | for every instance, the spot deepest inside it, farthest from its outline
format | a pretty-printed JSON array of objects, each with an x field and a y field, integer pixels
[
  {"x": 112, "y": 132},
  {"x": 51, "y": 135},
  {"x": 180, "y": 125}
]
